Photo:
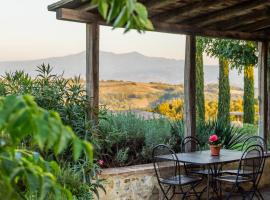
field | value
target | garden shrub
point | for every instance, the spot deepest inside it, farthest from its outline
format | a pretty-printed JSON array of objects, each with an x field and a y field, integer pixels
[{"x": 120, "y": 139}]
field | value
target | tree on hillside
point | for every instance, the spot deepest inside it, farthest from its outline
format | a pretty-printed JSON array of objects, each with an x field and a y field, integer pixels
[
  {"x": 241, "y": 55},
  {"x": 215, "y": 48},
  {"x": 248, "y": 103},
  {"x": 200, "y": 100},
  {"x": 224, "y": 96}
]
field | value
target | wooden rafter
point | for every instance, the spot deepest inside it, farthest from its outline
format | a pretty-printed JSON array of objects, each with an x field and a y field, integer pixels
[
  {"x": 194, "y": 9},
  {"x": 228, "y": 13}
]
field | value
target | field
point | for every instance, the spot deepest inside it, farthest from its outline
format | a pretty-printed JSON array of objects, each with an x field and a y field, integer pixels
[{"x": 124, "y": 95}]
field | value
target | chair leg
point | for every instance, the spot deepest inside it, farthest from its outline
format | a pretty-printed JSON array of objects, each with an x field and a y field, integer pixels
[
  {"x": 165, "y": 193},
  {"x": 229, "y": 195},
  {"x": 173, "y": 193},
  {"x": 195, "y": 192},
  {"x": 260, "y": 194}
]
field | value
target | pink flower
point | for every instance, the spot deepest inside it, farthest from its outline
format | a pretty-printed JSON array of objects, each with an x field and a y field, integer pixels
[
  {"x": 101, "y": 162},
  {"x": 213, "y": 138}
]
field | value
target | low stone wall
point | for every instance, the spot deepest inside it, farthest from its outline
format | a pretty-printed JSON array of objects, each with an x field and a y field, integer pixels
[
  {"x": 130, "y": 183},
  {"x": 138, "y": 182}
]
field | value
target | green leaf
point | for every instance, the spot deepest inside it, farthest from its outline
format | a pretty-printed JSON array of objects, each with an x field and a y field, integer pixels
[
  {"x": 88, "y": 150},
  {"x": 121, "y": 19},
  {"x": 141, "y": 11},
  {"x": 77, "y": 148},
  {"x": 103, "y": 8}
]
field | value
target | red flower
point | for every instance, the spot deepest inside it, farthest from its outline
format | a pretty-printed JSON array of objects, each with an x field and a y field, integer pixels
[
  {"x": 213, "y": 138},
  {"x": 101, "y": 162}
]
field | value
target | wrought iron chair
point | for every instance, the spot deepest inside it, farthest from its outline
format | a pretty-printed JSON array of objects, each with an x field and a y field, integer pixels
[
  {"x": 249, "y": 171},
  {"x": 168, "y": 173},
  {"x": 192, "y": 143},
  {"x": 253, "y": 140}
]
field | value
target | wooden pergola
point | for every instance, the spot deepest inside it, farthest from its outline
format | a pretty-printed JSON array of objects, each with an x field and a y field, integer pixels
[{"x": 235, "y": 19}]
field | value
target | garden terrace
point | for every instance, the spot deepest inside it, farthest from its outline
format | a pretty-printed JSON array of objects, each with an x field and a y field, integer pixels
[{"x": 235, "y": 19}]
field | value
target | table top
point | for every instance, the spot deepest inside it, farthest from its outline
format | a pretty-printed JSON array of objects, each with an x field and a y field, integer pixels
[{"x": 205, "y": 158}]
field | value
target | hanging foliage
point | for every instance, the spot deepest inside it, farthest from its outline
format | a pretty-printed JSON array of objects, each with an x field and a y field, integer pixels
[{"x": 129, "y": 14}]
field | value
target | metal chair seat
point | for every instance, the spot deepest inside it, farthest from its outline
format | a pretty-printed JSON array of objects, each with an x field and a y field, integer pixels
[
  {"x": 181, "y": 180},
  {"x": 234, "y": 179},
  {"x": 200, "y": 172},
  {"x": 235, "y": 171}
]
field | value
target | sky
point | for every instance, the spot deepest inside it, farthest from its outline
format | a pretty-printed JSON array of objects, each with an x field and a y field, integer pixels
[{"x": 29, "y": 31}]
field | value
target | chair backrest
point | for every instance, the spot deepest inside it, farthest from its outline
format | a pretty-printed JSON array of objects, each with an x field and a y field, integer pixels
[
  {"x": 190, "y": 143},
  {"x": 254, "y": 140},
  {"x": 252, "y": 163},
  {"x": 165, "y": 167}
]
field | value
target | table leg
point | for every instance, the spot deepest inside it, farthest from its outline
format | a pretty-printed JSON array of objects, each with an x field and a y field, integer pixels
[{"x": 208, "y": 181}]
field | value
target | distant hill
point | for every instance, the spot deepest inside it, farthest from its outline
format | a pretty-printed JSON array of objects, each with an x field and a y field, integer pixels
[{"x": 129, "y": 67}]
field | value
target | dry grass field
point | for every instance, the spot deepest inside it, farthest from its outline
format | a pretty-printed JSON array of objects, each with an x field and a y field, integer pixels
[{"x": 123, "y": 95}]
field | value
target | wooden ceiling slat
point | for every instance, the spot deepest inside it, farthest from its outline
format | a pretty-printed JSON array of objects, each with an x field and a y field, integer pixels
[
  {"x": 158, "y": 6},
  {"x": 64, "y": 4},
  {"x": 258, "y": 25},
  {"x": 87, "y": 7},
  {"x": 228, "y": 13},
  {"x": 154, "y": 4},
  {"x": 242, "y": 20},
  {"x": 194, "y": 9}
]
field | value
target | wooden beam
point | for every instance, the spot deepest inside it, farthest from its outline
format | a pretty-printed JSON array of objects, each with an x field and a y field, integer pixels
[
  {"x": 77, "y": 16},
  {"x": 268, "y": 91},
  {"x": 191, "y": 10},
  {"x": 187, "y": 29},
  {"x": 255, "y": 26},
  {"x": 228, "y": 13},
  {"x": 264, "y": 75},
  {"x": 92, "y": 69},
  {"x": 190, "y": 86},
  {"x": 85, "y": 17}
]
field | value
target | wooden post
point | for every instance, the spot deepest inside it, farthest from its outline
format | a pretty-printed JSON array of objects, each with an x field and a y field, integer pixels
[
  {"x": 92, "y": 69},
  {"x": 190, "y": 87},
  {"x": 264, "y": 89}
]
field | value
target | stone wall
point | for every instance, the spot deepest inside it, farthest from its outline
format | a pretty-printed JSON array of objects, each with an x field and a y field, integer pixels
[{"x": 138, "y": 182}]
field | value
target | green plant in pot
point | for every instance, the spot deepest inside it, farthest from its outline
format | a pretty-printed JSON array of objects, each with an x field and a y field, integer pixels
[{"x": 215, "y": 145}]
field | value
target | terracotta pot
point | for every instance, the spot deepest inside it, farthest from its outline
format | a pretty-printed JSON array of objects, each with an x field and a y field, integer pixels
[{"x": 215, "y": 149}]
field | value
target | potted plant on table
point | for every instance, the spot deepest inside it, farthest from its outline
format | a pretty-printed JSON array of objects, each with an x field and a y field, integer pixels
[{"x": 215, "y": 145}]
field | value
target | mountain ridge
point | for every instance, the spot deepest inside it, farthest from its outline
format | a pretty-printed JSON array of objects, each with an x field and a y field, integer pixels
[{"x": 131, "y": 66}]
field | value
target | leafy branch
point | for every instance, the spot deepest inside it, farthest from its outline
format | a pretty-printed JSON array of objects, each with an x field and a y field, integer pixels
[
  {"x": 25, "y": 170},
  {"x": 129, "y": 14}
]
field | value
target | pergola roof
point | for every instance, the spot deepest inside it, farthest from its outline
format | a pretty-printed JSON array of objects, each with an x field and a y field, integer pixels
[{"x": 239, "y": 19}]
